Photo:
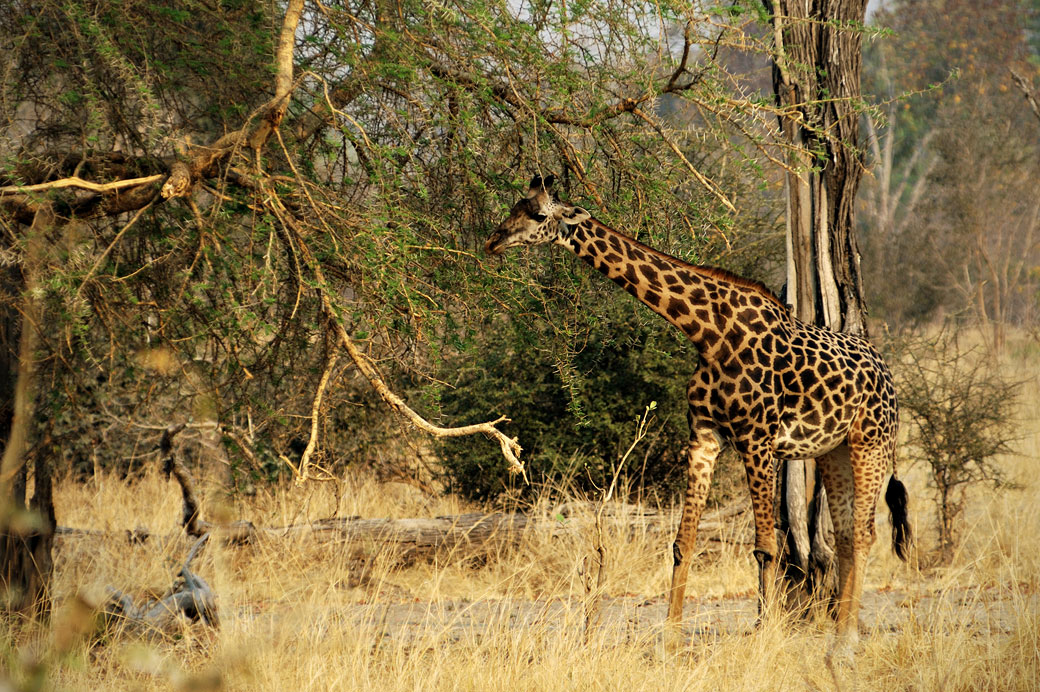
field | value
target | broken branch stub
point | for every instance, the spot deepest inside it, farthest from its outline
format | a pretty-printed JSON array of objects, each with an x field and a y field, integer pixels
[
  {"x": 191, "y": 515},
  {"x": 172, "y": 465}
]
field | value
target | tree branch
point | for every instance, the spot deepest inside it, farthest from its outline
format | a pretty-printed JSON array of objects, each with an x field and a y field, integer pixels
[
  {"x": 184, "y": 174},
  {"x": 708, "y": 184},
  {"x": 312, "y": 443},
  {"x": 191, "y": 515},
  {"x": 1027, "y": 92},
  {"x": 511, "y": 448},
  {"x": 80, "y": 183},
  {"x": 171, "y": 465}
]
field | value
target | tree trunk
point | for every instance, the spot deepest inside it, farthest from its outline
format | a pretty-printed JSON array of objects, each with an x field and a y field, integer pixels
[
  {"x": 26, "y": 531},
  {"x": 816, "y": 77}
]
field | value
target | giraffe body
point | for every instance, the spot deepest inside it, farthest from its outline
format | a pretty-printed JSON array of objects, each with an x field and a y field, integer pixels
[{"x": 772, "y": 386}]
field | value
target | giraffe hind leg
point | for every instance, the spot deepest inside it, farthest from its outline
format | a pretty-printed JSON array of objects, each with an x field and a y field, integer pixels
[{"x": 852, "y": 478}]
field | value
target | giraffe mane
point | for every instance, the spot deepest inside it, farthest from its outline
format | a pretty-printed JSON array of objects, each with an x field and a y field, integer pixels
[
  {"x": 744, "y": 282},
  {"x": 707, "y": 270}
]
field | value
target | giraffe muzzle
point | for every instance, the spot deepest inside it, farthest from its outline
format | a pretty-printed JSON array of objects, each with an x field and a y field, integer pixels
[{"x": 493, "y": 245}]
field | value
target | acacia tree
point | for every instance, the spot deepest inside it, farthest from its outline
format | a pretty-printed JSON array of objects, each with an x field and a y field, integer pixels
[
  {"x": 817, "y": 55},
  {"x": 229, "y": 213}
]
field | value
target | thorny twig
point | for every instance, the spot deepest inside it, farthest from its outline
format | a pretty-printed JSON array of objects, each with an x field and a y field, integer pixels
[{"x": 593, "y": 575}]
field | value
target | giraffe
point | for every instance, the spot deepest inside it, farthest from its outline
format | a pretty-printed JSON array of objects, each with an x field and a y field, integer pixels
[{"x": 772, "y": 386}]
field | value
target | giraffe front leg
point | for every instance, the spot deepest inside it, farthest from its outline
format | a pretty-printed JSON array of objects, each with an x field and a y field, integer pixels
[
  {"x": 761, "y": 477},
  {"x": 701, "y": 454}
]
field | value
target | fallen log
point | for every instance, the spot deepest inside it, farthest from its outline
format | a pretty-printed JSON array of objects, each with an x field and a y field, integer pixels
[
  {"x": 408, "y": 539},
  {"x": 469, "y": 533},
  {"x": 411, "y": 539}
]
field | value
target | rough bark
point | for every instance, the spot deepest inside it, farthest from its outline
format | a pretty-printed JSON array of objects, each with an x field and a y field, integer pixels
[
  {"x": 26, "y": 531},
  {"x": 816, "y": 78},
  {"x": 818, "y": 55}
]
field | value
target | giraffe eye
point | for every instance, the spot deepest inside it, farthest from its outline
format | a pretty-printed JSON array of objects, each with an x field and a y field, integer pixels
[{"x": 539, "y": 217}]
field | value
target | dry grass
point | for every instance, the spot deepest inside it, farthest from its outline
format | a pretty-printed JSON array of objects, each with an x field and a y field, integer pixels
[{"x": 308, "y": 616}]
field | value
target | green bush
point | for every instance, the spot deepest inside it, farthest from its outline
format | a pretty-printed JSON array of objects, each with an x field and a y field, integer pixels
[{"x": 573, "y": 412}]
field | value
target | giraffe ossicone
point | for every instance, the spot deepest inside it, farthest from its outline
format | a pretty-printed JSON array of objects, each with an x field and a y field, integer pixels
[{"x": 772, "y": 386}]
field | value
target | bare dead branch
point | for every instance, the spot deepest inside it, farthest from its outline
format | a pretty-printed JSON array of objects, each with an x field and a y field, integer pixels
[
  {"x": 681, "y": 67},
  {"x": 171, "y": 464},
  {"x": 192, "y": 597},
  {"x": 301, "y": 472},
  {"x": 276, "y": 108},
  {"x": 80, "y": 183},
  {"x": 510, "y": 446},
  {"x": 183, "y": 174},
  {"x": 191, "y": 515},
  {"x": 594, "y": 566}
]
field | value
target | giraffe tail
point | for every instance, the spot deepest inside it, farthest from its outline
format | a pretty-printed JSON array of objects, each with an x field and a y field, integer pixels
[{"x": 896, "y": 499}]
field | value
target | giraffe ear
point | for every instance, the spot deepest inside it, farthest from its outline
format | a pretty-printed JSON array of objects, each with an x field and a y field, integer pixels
[
  {"x": 575, "y": 215},
  {"x": 539, "y": 184},
  {"x": 535, "y": 188}
]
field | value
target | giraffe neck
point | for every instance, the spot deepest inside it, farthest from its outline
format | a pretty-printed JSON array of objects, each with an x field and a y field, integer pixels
[{"x": 706, "y": 303}]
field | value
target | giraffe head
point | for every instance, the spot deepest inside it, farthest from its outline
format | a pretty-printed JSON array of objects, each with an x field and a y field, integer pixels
[{"x": 538, "y": 218}]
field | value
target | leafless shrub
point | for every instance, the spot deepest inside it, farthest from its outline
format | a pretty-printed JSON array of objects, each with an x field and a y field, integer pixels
[{"x": 960, "y": 410}]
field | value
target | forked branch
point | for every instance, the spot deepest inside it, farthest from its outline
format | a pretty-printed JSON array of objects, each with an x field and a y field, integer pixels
[
  {"x": 79, "y": 183},
  {"x": 191, "y": 597},
  {"x": 191, "y": 515},
  {"x": 511, "y": 448},
  {"x": 302, "y": 472}
]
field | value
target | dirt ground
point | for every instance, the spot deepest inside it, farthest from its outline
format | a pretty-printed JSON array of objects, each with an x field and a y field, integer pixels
[{"x": 985, "y": 612}]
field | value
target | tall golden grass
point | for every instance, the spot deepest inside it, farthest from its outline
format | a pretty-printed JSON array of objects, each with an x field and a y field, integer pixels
[{"x": 308, "y": 615}]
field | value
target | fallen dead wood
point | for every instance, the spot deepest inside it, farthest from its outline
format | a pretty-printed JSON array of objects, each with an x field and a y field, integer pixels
[
  {"x": 470, "y": 533},
  {"x": 190, "y": 597},
  {"x": 481, "y": 531},
  {"x": 409, "y": 539}
]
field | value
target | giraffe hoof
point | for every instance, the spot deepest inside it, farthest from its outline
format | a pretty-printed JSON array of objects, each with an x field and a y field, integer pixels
[
  {"x": 842, "y": 650},
  {"x": 674, "y": 641}
]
